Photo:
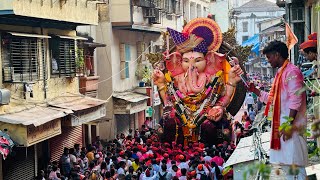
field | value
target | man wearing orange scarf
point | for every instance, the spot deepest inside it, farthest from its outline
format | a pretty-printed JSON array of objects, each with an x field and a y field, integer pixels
[{"x": 287, "y": 147}]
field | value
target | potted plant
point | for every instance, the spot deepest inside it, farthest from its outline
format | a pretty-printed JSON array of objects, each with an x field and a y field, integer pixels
[
  {"x": 144, "y": 74},
  {"x": 80, "y": 69}
]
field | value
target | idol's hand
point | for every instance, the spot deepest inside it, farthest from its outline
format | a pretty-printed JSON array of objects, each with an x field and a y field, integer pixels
[{"x": 234, "y": 74}]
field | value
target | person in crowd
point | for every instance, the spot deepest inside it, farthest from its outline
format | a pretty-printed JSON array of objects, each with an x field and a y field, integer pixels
[
  {"x": 90, "y": 153},
  {"x": 309, "y": 47},
  {"x": 164, "y": 174},
  {"x": 244, "y": 117},
  {"x": 77, "y": 151},
  {"x": 153, "y": 160},
  {"x": 249, "y": 101},
  {"x": 252, "y": 114},
  {"x": 288, "y": 146},
  {"x": 310, "y": 52},
  {"x": 216, "y": 171},
  {"x": 121, "y": 170},
  {"x": 183, "y": 174},
  {"x": 65, "y": 162}
]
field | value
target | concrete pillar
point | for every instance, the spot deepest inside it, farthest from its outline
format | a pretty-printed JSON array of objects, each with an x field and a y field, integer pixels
[
  {"x": 98, "y": 130},
  {"x": 89, "y": 134}
]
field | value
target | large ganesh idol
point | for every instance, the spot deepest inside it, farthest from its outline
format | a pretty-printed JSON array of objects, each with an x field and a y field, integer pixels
[{"x": 196, "y": 85}]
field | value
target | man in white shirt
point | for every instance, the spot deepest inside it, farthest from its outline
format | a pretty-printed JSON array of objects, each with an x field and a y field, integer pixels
[
  {"x": 122, "y": 165},
  {"x": 249, "y": 101}
]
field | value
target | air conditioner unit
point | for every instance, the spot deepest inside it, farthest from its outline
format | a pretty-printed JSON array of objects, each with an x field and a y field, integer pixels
[
  {"x": 4, "y": 96},
  {"x": 156, "y": 18},
  {"x": 149, "y": 13},
  {"x": 142, "y": 3},
  {"x": 8, "y": 74}
]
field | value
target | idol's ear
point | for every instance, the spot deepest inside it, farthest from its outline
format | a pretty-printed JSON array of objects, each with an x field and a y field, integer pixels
[
  {"x": 174, "y": 63},
  {"x": 215, "y": 62}
]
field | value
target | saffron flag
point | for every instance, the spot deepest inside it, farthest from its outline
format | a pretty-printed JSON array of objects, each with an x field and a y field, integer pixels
[{"x": 291, "y": 37}]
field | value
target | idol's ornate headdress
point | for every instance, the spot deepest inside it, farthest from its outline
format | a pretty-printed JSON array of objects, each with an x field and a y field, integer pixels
[{"x": 200, "y": 35}]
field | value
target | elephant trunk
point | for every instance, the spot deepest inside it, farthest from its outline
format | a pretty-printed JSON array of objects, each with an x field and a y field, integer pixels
[{"x": 196, "y": 81}]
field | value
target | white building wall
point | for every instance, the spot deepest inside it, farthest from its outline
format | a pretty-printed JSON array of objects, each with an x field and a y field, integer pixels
[
  {"x": 252, "y": 18},
  {"x": 220, "y": 9},
  {"x": 195, "y": 8},
  {"x": 131, "y": 38}
]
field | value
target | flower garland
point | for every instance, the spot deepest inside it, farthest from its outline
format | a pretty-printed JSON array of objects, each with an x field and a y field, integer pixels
[{"x": 190, "y": 112}]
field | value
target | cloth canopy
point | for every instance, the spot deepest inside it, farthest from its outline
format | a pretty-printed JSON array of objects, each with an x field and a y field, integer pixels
[{"x": 254, "y": 40}]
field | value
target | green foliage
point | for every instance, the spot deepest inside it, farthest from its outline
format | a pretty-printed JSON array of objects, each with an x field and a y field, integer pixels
[
  {"x": 80, "y": 58},
  {"x": 242, "y": 52},
  {"x": 144, "y": 73},
  {"x": 286, "y": 126},
  {"x": 317, "y": 8},
  {"x": 264, "y": 169},
  {"x": 154, "y": 57}
]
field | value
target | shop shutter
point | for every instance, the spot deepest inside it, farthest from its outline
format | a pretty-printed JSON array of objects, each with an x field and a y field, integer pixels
[
  {"x": 20, "y": 164},
  {"x": 68, "y": 137},
  {"x": 123, "y": 123}
]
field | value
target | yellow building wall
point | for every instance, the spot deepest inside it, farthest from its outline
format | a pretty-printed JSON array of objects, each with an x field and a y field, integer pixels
[
  {"x": 55, "y": 86},
  {"x": 6, "y": 4},
  {"x": 77, "y": 11},
  {"x": 120, "y": 11},
  {"x": 18, "y": 132}
]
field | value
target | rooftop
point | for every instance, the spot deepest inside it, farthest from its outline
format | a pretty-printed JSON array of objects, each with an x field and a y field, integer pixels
[{"x": 258, "y": 6}]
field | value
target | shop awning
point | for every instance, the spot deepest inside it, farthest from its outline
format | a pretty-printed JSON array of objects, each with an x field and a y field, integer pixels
[
  {"x": 94, "y": 44},
  {"x": 72, "y": 37},
  {"x": 129, "y": 102},
  {"x": 75, "y": 102},
  {"x": 85, "y": 109},
  {"x": 29, "y": 35},
  {"x": 130, "y": 96},
  {"x": 243, "y": 151},
  {"x": 36, "y": 116}
]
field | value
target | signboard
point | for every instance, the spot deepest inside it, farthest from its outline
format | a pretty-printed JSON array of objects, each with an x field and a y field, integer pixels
[
  {"x": 43, "y": 132},
  {"x": 125, "y": 107},
  {"x": 149, "y": 111},
  {"x": 85, "y": 116},
  {"x": 156, "y": 96}
]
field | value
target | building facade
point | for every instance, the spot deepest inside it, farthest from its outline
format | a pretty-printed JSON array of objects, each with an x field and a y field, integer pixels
[
  {"x": 41, "y": 107},
  {"x": 130, "y": 29},
  {"x": 246, "y": 17},
  {"x": 195, "y": 8}
]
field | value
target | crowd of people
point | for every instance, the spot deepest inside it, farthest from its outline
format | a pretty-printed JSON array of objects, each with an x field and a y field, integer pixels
[{"x": 141, "y": 155}]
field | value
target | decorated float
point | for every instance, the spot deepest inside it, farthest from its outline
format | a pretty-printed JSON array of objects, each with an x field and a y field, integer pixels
[{"x": 199, "y": 81}]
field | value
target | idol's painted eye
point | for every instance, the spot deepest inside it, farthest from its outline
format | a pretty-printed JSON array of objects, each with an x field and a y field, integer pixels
[
  {"x": 185, "y": 60},
  {"x": 199, "y": 59}
]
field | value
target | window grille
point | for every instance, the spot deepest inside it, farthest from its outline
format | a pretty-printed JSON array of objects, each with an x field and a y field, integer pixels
[
  {"x": 63, "y": 57},
  {"x": 21, "y": 58}
]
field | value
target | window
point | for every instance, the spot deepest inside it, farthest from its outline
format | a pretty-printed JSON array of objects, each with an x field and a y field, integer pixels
[
  {"x": 22, "y": 58},
  {"x": 125, "y": 57},
  {"x": 297, "y": 14},
  {"x": 244, "y": 38},
  {"x": 199, "y": 13},
  {"x": 63, "y": 58},
  {"x": 170, "y": 6},
  {"x": 245, "y": 26}
]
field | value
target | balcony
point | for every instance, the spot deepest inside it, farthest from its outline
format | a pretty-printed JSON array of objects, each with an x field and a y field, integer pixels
[
  {"x": 89, "y": 85},
  {"x": 281, "y": 3},
  {"x": 144, "y": 15},
  {"x": 82, "y": 12}
]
